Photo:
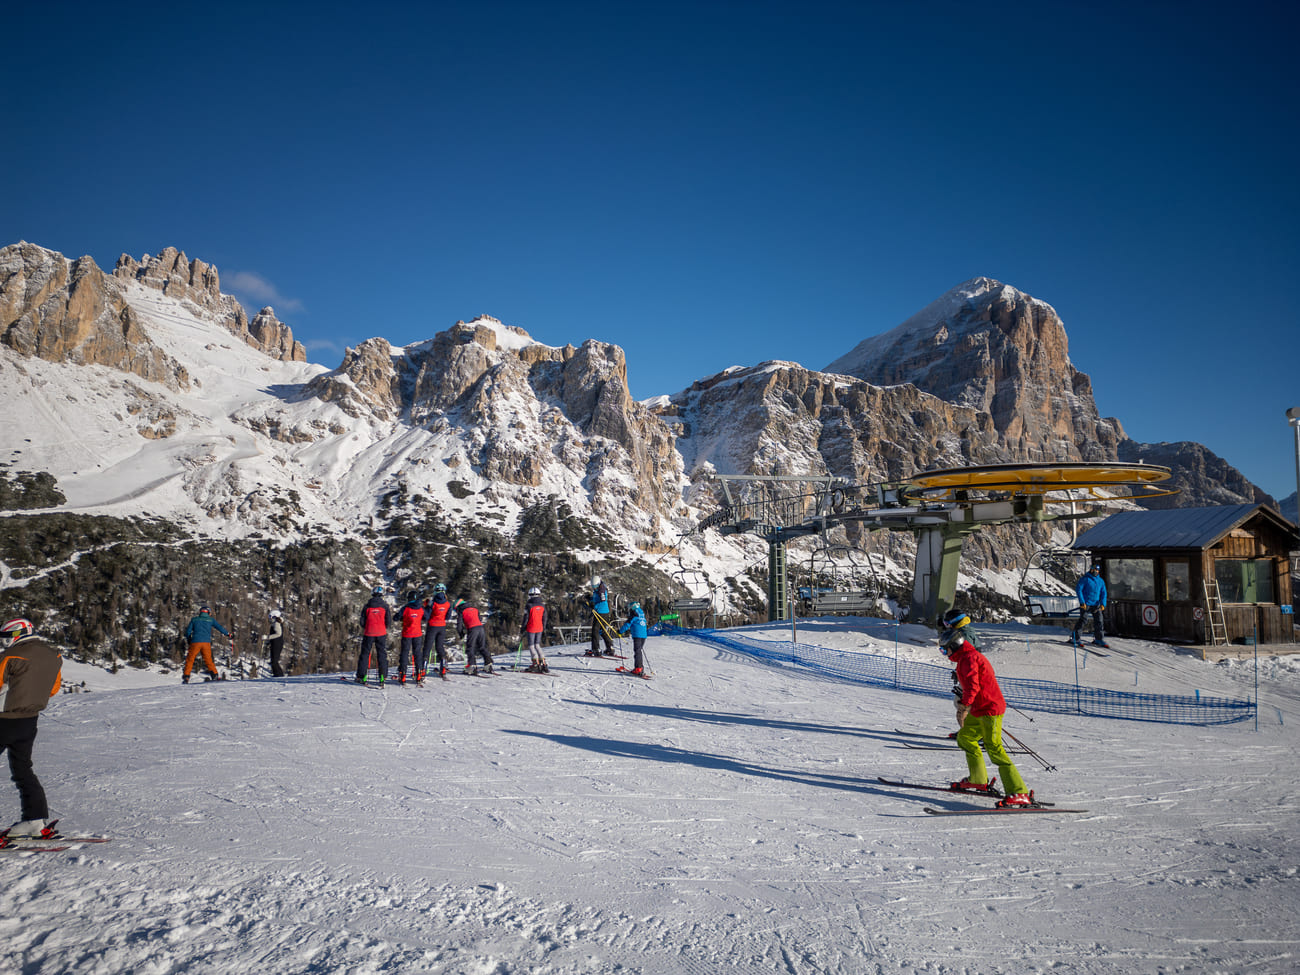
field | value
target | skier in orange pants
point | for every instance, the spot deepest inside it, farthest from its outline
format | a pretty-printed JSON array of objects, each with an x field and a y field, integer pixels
[{"x": 199, "y": 634}]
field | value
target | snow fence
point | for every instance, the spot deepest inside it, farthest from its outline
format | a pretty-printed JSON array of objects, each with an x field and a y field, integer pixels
[{"x": 1037, "y": 695}]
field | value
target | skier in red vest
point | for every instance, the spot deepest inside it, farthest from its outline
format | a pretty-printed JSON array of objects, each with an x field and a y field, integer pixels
[
  {"x": 412, "y": 638},
  {"x": 534, "y": 627},
  {"x": 435, "y": 630},
  {"x": 376, "y": 618},
  {"x": 470, "y": 626}
]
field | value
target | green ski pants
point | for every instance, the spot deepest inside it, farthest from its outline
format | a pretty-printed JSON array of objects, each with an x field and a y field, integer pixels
[{"x": 989, "y": 728}]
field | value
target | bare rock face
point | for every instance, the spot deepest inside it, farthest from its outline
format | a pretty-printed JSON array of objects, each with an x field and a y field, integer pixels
[
  {"x": 172, "y": 273},
  {"x": 70, "y": 311},
  {"x": 365, "y": 384},
  {"x": 987, "y": 346},
  {"x": 198, "y": 283},
  {"x": 778, "y": 418},
  {"x": 272, "y": 336},
  {"x": 1201, "y": 476}
]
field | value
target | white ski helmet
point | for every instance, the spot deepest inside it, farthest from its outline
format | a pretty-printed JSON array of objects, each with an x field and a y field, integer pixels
[
  {"x": 595, "y": 582},
  {"x": 534, "y": 591},
  {"x": 276, "y": 614},
  {"x": 15, "y": 630}
]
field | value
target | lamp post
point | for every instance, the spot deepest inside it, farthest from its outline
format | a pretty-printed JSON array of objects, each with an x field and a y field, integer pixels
[{"x": 1293, "y": 417}]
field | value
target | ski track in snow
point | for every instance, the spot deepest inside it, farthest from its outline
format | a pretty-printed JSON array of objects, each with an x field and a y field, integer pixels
[{"x": 723, "y": 817}]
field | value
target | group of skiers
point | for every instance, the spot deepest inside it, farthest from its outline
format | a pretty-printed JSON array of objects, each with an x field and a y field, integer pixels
[
  {"x": 423, "y": 634},
  {"x": 424, "y": 623}
]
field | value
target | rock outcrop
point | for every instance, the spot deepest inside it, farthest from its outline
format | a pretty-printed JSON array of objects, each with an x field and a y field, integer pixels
[
  {"x": 365, "y": 384},
  {"x": 70, "y": 311}
]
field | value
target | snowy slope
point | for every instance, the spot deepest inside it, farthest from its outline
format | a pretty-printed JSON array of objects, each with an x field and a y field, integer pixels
[{"x": 723, "y": 817}]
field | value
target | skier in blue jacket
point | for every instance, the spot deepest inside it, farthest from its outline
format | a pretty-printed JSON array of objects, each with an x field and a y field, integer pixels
[
  {"x": 600, "y": 626},
  {"x": 199, "y": 636},
  {"x": 636, "y": 624},
  {"x": 1092, "y": 599}
]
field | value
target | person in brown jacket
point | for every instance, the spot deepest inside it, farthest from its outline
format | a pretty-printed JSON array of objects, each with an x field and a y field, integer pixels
[{"x": 31, "y": 672}]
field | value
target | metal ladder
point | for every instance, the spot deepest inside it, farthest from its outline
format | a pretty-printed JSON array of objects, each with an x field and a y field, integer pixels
[{"x": 1214, "y": 614}]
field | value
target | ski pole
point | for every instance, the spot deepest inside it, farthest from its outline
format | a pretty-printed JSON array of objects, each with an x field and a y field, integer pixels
[
  {"x": 518, "y": 652},
  {"x": 1029, "y": 751}
]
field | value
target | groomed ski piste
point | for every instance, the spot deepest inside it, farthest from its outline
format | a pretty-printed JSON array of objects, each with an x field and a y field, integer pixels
[{"x": 726, "y": 816}]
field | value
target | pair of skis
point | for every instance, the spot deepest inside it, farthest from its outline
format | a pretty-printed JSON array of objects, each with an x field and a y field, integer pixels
[
  {"x": 42, "y": 843},
  {"x": 1035, "y": 806}
]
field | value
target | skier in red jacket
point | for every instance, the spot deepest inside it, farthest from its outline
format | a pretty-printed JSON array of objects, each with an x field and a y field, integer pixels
[
  {"x": 980, "y": 708},
  {"x": 435, "y": 630},
  {"x": 412, "y": 639},
  {"x": 376, "y": 618},
  {"x": 470, "y": 626},
  {"x": 534, "y": 627}
]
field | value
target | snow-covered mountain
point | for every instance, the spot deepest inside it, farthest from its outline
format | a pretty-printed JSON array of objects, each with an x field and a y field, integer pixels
[{"x": 478, "y": 456}]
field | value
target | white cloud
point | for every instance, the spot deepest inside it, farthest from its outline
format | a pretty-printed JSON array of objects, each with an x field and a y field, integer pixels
[{"x": 255, "y": 292}]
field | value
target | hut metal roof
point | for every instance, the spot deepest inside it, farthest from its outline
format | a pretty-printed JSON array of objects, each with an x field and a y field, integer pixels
[{"x": 1197, "y": 528}]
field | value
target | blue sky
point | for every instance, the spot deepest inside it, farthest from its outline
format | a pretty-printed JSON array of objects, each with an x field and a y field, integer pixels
[{"x": 705, "y": 184}]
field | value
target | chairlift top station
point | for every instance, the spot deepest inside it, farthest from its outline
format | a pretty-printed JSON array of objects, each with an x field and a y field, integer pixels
[{"x": 941, "y": 507}]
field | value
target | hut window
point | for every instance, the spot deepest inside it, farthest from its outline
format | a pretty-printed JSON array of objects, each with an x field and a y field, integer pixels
[
  {"x": 1131, "y": 578},
  {"x": 1178, "y": 582},
  {"x": 1244, "y": 580}
]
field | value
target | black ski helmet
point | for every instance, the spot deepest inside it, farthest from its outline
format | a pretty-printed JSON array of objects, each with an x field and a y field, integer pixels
[{"x": 955, "y": 619}]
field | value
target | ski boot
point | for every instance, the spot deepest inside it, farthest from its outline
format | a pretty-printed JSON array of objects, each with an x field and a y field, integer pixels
[
  {"x": 32, "y": 829},
  {"x": 966, "y": 785},
  {"x": 1016, "y": 799}
]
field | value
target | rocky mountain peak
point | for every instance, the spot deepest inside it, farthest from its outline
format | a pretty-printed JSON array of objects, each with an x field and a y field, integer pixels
[
  {"x": 172, "y": 273},
  {"x": 198, "y": 284},
  {"x": 989, "y": 347}
]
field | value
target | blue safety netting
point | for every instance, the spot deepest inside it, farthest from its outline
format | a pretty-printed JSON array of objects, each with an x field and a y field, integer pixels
[{"x": 1037, "y": 695}]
